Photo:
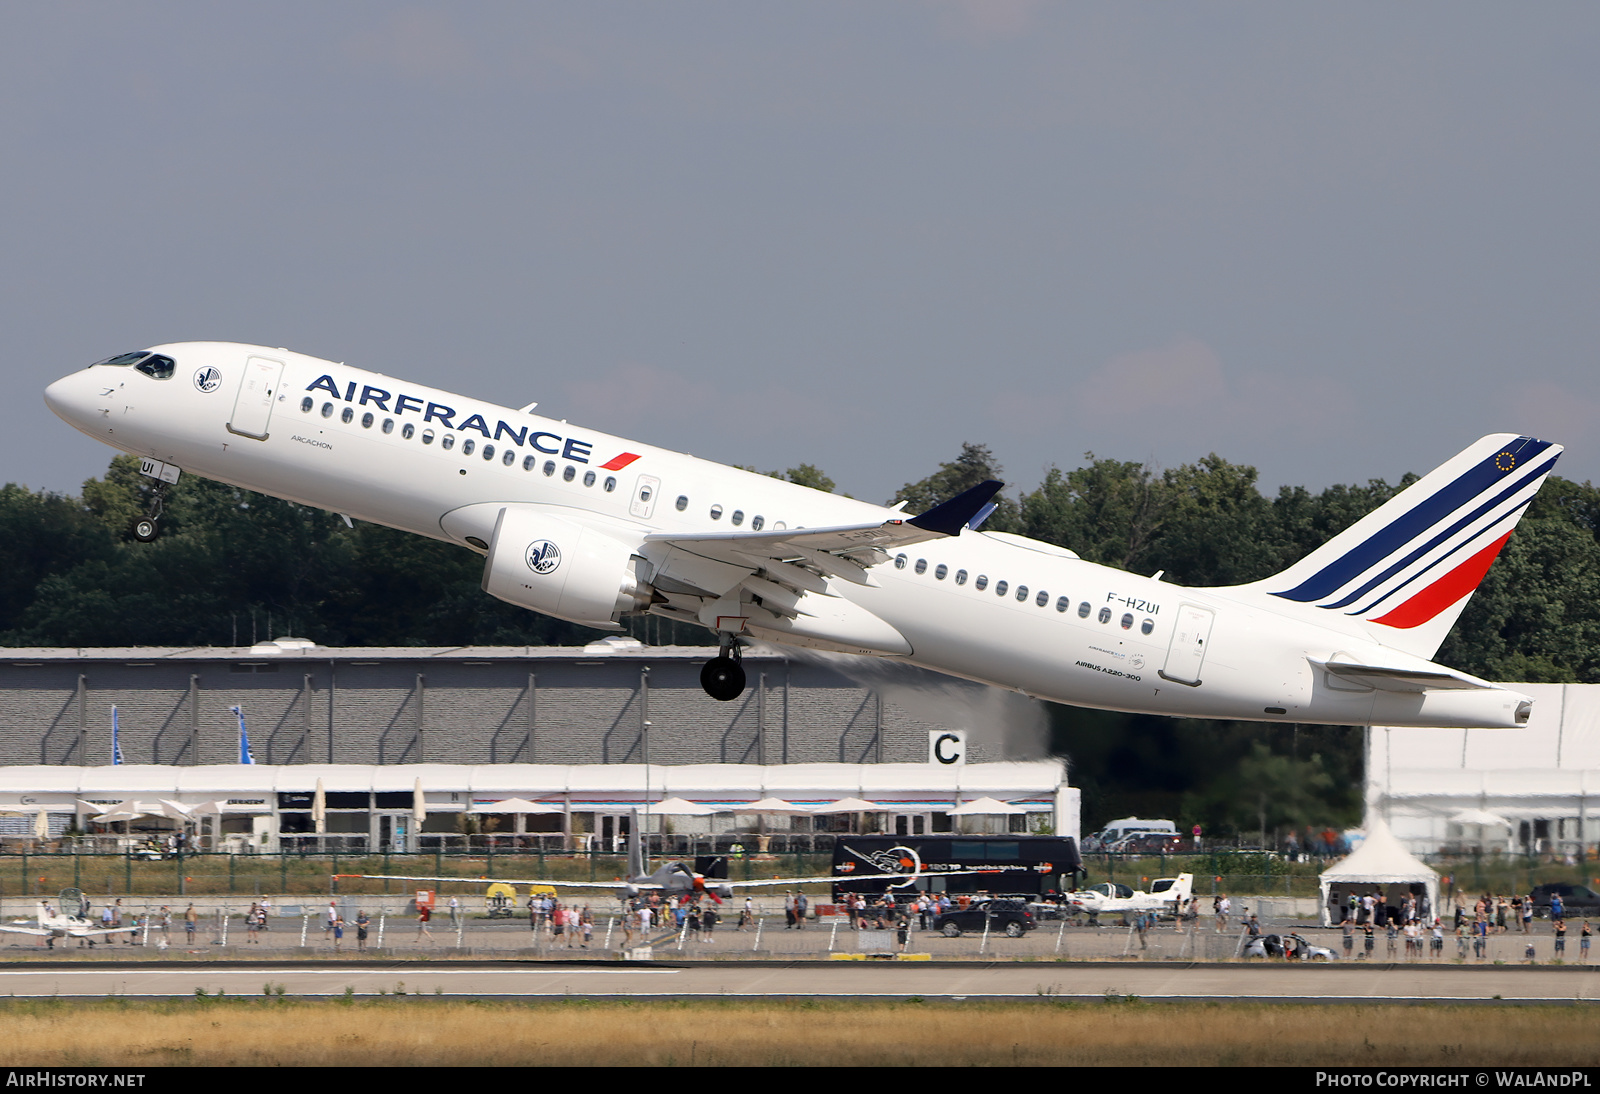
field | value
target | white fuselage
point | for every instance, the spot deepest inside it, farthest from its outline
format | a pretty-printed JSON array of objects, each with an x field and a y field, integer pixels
[{"x": 442, "y": 465}]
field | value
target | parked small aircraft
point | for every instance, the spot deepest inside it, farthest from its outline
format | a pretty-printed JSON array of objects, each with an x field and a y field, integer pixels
[
  {"x": 680, "y": 878},
  {"x": 1166, "y": 895},
  {"x": 52, "y": 925}
]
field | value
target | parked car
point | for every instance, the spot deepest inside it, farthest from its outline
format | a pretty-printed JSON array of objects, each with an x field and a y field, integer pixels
[
  {"x": 1148, "y": 843},
  {"x": 1008, "y": 915},
  {"x": 1576, "y": 900}
]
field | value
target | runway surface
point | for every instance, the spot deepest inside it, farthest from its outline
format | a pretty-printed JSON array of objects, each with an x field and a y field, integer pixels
[{"x": 813, "y": 979}]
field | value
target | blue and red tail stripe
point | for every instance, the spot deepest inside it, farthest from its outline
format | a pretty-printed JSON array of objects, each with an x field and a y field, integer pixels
[{"x": 1447, "y": 539}]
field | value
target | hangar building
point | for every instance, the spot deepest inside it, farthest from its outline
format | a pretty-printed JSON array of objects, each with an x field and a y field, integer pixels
[
  {"x": 594, "y": 729},
  {"x": 1528, "y": 790}
]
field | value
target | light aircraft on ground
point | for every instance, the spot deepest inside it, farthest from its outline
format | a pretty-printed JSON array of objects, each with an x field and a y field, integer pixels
[
  {"x": 51, "y": 925},
  {"x": 1166, "y": 895},
  {"x": 677, "y": 878},
  {"x": 591, "y": 528}
]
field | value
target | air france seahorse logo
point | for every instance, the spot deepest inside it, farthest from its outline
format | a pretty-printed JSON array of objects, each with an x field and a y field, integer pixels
[
  {"x": 208, "y": 379},
  {"x": 542, "y": 556}
]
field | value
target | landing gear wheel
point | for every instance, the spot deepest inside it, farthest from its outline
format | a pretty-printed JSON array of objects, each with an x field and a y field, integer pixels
[
  {"x": 723, "y": 679},
  {"x": 145, "y": 530}
]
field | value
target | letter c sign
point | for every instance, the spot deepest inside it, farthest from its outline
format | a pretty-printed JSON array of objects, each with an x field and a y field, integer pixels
[{"x": 947, "y": 747}]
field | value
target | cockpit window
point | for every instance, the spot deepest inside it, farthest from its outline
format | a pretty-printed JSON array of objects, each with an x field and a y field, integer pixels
[
  {"x": 124, "y": 359},
  {"x": 157, "y": 367},
  {"x": 154, "y": 365}
]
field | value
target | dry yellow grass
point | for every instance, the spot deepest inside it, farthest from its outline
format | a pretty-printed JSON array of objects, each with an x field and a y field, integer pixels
[{"x": 432, "y": 1032}]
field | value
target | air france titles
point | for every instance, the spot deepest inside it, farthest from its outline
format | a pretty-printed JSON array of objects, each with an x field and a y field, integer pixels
[{"x": 552, "y": 444}]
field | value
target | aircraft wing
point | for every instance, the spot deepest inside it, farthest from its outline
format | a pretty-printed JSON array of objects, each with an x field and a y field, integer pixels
[
  {"x": 37, "y": 932},
  {"x": 844, "y": 550},
  {"x": 815, "y": 878},
  {"x": 553, "y": 883},
  {"x": 1385, "y": 678}
]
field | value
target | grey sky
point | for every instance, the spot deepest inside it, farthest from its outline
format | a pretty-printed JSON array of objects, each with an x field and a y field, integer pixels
[{"x": 1334, "y": 241}]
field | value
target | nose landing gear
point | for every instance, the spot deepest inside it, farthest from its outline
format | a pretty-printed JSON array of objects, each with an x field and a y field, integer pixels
[
  {"x": 148, "y": 527},
  {"x": 723, "y": 675}
]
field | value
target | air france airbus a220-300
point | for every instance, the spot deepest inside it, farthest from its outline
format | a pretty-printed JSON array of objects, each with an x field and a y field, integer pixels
[{"x": 590, "y": 528}]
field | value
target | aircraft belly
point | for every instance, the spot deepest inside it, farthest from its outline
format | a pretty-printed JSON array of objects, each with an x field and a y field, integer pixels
[{"x": 831, "y": 623}]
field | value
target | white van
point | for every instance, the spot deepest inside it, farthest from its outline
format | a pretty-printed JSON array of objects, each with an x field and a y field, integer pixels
[{"x": 1127, "y": 826}]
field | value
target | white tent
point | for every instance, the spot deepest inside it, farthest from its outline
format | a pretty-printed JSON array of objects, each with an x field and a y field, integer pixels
[
  {"x": 988, "y": 807},
  {"x": 515, "y": 805},
  {"x": 1380, "y": 861}
]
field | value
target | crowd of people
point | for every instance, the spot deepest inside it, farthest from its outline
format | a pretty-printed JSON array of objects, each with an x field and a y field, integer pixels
[{"x": 1475, "y": 922}]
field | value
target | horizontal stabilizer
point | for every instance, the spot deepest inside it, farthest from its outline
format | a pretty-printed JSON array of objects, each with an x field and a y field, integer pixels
[{"x": 1384, "y": 678}]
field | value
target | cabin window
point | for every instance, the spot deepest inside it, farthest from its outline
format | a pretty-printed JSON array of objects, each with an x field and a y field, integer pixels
[
  {"x": 737, "y": 518},
  {"x": 1063, "y": 603},
  {"x": 1000, "y": 588},
  {"x": 569, "y": 473},
  {"x": 388, "y": 425},
  {"x": 716, "y": 512},
  {"x": 510, "y": 457},
  {"x": 921, "y": 566},
  {"x": 940, "y": 572},
  {"x": 682, "y": 503},
  {"x": 1147, "y": 626},
  {"x": 488, "y": 451},
  {"x": 306, "y": 404},
  {"x": 611, "y": 483},
  {"x": 448, "y": 441},
  {"x": 1105, "y": 615},
  {"x": 467, "y": 446},
  {"x": 1042, "y": 599},
  {"x": 778, "y": 526},
  {"x": 588, "y": 478},
  {"x": 1084, "y": 610},
  {"x": 900, "y": 562},
  {"x": 1022, "y": 593},
  {"x": 1127, "y": 621},
  {"x": 757, "y": 523},
  {"x": 408, "y": 431},
  {"x": 549, "y": 468},
  {"x": 367, "y": 420},
  {"x": 982, "y": 583},
  {"x": 327, "y": 410},
  {"x": 961, "y": 577},
  {"x": 529, "y": 462},
  {"x": 427, "y": 436},
  {"x": 347, "y": 416}
]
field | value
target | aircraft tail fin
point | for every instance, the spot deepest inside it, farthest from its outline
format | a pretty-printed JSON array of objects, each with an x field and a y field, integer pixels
[
  {"x": 1409, "y": 567},
  {"x": 1183, "y": 889}
]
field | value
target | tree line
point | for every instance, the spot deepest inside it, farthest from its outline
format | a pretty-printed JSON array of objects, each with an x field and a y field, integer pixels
[{"x": 232, "y": 567}]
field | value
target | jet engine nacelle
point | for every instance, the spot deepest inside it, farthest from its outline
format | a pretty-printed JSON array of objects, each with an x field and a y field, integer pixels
[{"x": 559, "y": 567}]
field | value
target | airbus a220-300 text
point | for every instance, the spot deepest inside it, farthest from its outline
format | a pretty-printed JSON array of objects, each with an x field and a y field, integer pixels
[{"x": 589, "y": 527}]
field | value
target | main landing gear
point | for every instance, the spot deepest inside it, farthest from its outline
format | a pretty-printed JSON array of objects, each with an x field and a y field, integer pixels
[
  {"x": 148, "y": 527},
  {"x": 723, "y": 675}
]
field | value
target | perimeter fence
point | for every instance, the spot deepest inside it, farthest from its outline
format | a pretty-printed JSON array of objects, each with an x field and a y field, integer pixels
[{"x": 303, "y": 872}]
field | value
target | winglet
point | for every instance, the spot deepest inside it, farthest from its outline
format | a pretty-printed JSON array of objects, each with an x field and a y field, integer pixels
[{"x": 966, "y": 510}]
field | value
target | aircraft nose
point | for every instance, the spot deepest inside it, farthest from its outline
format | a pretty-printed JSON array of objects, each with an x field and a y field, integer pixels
[
  {"x": 58, "y": 395},
  {"x": 67, "y": 397}
]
